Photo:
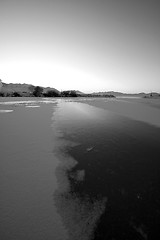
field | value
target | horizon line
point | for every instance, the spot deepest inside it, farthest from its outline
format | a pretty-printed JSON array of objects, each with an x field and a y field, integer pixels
[{"x": 94, "y": 91}]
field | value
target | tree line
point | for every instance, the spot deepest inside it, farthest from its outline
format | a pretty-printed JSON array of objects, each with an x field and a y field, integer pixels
[{"x": 39, "y": 92}]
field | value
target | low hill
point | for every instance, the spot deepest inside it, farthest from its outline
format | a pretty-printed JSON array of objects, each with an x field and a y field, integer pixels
[
  {"x": 152, "y": 95},
  {"x": 9, "y": 88},
  {"x": 76, "y": 92},
  {"x": 120, "y": 94}
]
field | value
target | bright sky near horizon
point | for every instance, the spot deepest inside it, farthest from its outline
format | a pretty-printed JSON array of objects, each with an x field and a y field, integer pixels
[{"x": 87, "y": 45}]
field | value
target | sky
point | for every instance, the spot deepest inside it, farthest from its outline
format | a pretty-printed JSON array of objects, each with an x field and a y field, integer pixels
[{"x": 86, "y": 45}]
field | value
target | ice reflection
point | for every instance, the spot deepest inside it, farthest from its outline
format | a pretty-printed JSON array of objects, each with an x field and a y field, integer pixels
[
  {"x": 134, "y": 108},
  {"x": 80, "y": 212},
  {"x": 108, "y": 176},
  {"x": 80, "y": 215}
]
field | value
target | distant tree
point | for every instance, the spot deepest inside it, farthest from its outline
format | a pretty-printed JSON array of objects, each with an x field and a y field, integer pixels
[
  {"x": 2, "y": 94},
  {"x": 109, "y": 96},
  {"x": 8, "y": 94},
  {"x": 73, "y": 94},
  {"x": 1, "y": 84},
  {"x": 65, "y": 93},
  {"x": 51, "y": 93},
  {"x": 16, "y": 94},
  {"x": 38, "y": 91},
  {"x": 69, "y": 94},
  {"x": 31, "y": 88}
]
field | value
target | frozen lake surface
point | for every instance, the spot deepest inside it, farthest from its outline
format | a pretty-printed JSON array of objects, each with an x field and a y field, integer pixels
[{"x": 79, "y": 169}]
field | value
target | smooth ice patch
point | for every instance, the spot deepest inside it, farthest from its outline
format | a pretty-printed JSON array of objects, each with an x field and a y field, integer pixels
[
  {"x": 5, "y": 111},
  {"x": 32, "y": 106},
  {"x": 27, "y": 102},
  {"x": 17, "y": 102}
]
